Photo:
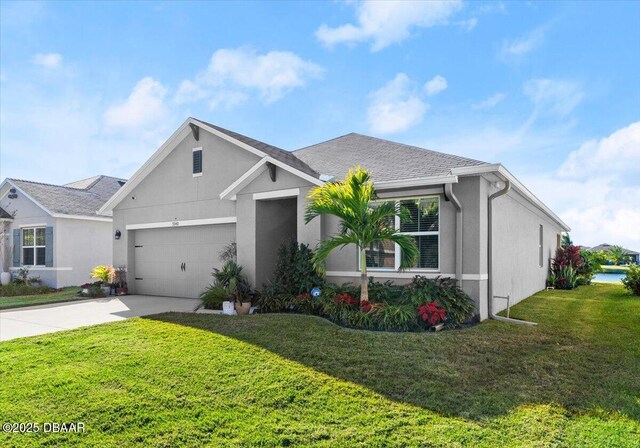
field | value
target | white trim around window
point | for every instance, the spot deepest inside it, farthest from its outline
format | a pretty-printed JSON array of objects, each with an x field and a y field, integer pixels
[
  {"x": 412, "y": 271},
  {"x": 34, "y": 247}
]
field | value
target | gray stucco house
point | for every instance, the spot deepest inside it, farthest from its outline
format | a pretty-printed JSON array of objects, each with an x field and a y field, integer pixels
[
  {"x": 634, "y": 256},
  {"x": 207, "y": 186},
  {"x": 55, "y": 230}
]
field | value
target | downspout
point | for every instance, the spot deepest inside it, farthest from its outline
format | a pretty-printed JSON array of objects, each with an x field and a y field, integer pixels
[
  {"x": 497, "y": 194},
  {"x": 448, "y": 191}
]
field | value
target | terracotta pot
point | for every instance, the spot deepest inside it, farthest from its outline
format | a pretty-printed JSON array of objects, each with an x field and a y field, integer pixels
[
  {"x": 244, "y": 308},
  {"x": 122, "y": 291}
]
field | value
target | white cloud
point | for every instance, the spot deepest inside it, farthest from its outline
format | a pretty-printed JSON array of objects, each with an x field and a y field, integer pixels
[
  {"x": 144, "y": 109},
  {"x": 395, "y": 107},
  {"x": 468, "y": 24},
  {"x": 387, "y": 23},
  {"x": 490, "y": 102},
  {"x": 435, "y": 85},
  {"x": 596, "y": 190},
  {"x": 234, "y": 74},
  {"x": 618, "y": 153},
  {"x": 556, "y": 97},
  {"x": 517, "y": 48},
  {"x": 48, "y": 60}
]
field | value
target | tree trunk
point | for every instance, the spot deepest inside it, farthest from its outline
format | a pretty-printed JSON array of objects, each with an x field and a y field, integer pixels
[{"x": 364, "y": 280}]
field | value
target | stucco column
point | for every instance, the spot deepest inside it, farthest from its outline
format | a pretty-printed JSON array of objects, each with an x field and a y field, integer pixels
[
  {"x": 307, "y": 233},
  {"x": 246, "y": 235}
]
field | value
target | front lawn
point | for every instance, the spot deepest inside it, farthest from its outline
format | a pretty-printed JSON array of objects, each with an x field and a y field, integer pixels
[
  {"x": 61, "y": 295},
  {"x": 274, "y": 380}
]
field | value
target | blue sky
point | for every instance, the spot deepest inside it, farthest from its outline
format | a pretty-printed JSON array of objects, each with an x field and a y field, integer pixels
[{"x": 551, "y": 90}]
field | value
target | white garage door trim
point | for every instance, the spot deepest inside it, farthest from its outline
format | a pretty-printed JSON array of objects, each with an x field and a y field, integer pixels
[{"x": 189, "y": 222}]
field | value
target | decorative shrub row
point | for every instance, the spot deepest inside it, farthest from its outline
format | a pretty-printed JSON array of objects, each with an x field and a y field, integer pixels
[{"x": 418, "y": 306}]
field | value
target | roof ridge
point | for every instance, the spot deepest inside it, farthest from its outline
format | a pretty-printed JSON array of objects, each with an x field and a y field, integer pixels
[
  {"x": 53, "y": 185},
  {"x": 326, "y": 141}
]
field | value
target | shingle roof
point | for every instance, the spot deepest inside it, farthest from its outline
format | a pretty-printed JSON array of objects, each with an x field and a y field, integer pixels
[
  {"x": 273, "y": 151},
  {"x": 4, "y": 214},
  {"x": 385, "y": 160},
  {"x": 607, "y": 247},
  {"x": 82, "y": 197}
]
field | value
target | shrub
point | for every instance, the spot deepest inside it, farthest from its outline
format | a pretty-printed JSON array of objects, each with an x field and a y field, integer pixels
[
  {"x": 431, "y": 313},
  {"x": 16, "y": 289},
  {"x": 231, "y": 279},
  {"x": 274, "y": 303},
  {"x": 106, "y": 274},
  {"x": 94, "y": 291},
  {"x": 294, "y": 272},
  {"x": 566, "y": 278},
  {"x": 631, "y": 281},
  {"x": 395, "y": 318},
  {"x": 567, "y": 265},
  {"x": 213, "y": 297},
  {"x": 444, "y": 291},
  {"x": 384, "y": 292}
]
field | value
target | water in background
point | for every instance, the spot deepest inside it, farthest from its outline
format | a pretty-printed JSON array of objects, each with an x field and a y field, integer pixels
[{"x": 608, "y": 278}]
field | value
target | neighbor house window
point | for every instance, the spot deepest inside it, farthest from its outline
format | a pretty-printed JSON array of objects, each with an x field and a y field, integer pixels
[
  {"x": 424, "y": 225},
  {"x": 197, "y": 161},
  {"x": 540, "y": 243},
  {"x": 33, "y": 246}
]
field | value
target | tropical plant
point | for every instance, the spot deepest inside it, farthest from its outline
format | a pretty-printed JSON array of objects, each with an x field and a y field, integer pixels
[
  {"x": 120, "y": 277},
  {"x": 592, "y": 265},
  {"x": 567, "y": 278},
  {"x": 229, "y": 252},
  {"x": 445, "y": 292},
  {"x": 106, "y": 274},
  {"x": 618, "y": 255},
  {"x": 631, "y": 280},
  {"x": 295, "y": 272},
  {"x": 431, "y": 313},
  {"x": 362, "y": 222},
  {"x": 231, "y": 278},
  {"x": 566, "y": 240},
  {"x": 213, "y": 297}
]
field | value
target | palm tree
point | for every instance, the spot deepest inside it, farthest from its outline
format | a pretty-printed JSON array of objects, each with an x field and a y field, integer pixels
[
  {"x": 618, "y": 254},
  {"x": 362, "y": 222}
]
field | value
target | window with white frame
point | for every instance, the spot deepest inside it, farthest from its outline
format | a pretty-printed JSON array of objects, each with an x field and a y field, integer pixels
[
  {"x": 33, "y": 246},
  {"x": 423, "y": 224}
]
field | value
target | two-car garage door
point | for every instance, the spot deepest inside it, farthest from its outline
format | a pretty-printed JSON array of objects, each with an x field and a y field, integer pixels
[{"x": 178, "y": 261}]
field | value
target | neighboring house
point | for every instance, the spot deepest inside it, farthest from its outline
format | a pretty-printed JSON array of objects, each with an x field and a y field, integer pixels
[
  {"x": 207, "y": 186},
  {"x": 633, "y": 255},
  {"x": 55, "y": 230}
]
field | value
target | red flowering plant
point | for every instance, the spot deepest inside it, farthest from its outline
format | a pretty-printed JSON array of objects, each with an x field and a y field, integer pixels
[
  {"x": 431, "y": 313},
  {"x": 304, "y": 296},
  {"x": 346, "y": 299}
]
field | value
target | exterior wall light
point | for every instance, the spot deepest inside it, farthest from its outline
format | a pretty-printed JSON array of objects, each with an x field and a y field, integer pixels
[{"x": 118, "y": 234}]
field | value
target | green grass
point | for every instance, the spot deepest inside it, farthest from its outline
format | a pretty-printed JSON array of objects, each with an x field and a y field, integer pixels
[
  {"x": 63, "y": 295},
  {"x": 276, "y": 380}
]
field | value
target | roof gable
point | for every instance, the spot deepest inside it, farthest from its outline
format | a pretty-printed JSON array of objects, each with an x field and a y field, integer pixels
[
  {"x": 261, "y": 149},
  {"x": 67, "y": 200}
]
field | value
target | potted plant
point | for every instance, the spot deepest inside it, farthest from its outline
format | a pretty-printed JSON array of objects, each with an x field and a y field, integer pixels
[
  {"x": 231, "y": 278},
  {"x": 35, "y": 281},
  {"x": 121, "y": 281},
  {"x": 106, "y": 275}
]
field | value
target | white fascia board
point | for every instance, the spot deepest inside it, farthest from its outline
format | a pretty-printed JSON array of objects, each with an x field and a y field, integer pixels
[
  {"x": 257, "y": 169},
  {"x": 515, "y": 183},
  {"x": 151, "y": 163},
  {"x": 185, "y": 223},
  {"x": 244, "y": 180},
  {"x": 416, "y": 182},
  {"x": 289, "y": 193},
  {"x": 83, "y": 217},
  {"x": 45, "y": 209}
]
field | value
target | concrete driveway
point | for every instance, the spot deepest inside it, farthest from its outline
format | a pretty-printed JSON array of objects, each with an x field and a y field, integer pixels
[{"x": 31, "y": 321}]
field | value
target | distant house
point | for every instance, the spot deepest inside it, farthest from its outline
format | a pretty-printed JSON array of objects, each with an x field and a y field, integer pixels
[
  {"x": 207, "y": 186},
  {"x": 633, "y": 255},
  {"x": 55, "y": 230}
]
